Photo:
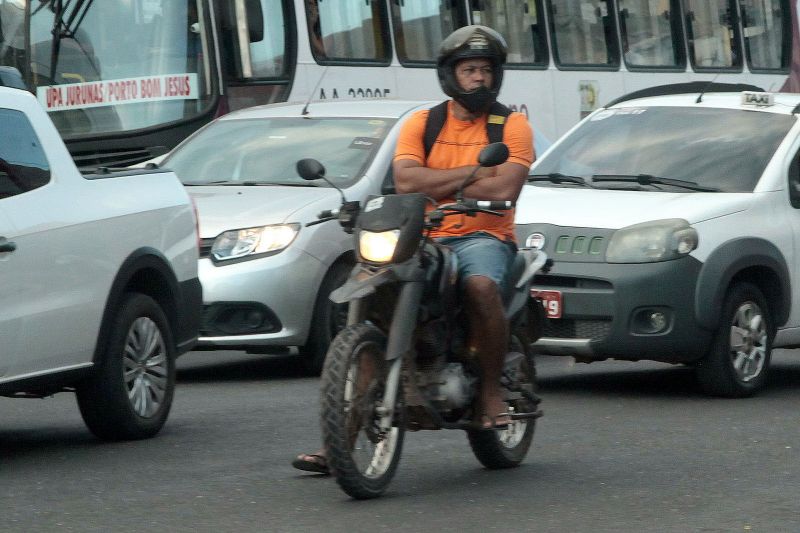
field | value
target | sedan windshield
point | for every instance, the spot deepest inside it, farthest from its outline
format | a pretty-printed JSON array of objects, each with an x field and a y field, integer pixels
[
  {"x": 652, "y": 148},
  {"x": 266, "y": 151}
]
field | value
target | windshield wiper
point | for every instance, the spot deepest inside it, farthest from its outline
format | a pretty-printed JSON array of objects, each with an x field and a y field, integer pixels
[
  {"x": 558, "y": 178},
  {"x": 64, "y": 28},
  {"x": 246, "y": 183},
  {"x": 649, "y": 179}
]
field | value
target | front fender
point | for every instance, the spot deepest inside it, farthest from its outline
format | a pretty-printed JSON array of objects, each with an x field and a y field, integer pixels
[
  {"x": 732, "y": 258},
  {"x": 362, "y": 282}
]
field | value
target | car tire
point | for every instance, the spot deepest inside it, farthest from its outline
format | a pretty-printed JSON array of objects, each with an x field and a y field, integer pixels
[
  {"x": 736, "y": 364},
  {"x": 129, "y": 394},
  {"x": 328, "y": 319}
]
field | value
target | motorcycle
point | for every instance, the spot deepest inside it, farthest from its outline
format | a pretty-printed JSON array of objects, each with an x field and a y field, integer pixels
[{"x": 402, "y": 362}]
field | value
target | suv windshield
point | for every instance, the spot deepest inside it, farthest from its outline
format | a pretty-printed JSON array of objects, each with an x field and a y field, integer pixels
[
  {"x": 649, "y": 147},
  {"x": 265, "y": 151}
]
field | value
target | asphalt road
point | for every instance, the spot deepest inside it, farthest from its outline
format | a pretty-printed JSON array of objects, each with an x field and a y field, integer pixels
[{"x": 623, "y": 447}]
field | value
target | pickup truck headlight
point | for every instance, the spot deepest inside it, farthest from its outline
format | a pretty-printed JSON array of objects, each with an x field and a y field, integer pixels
[
  {"x": 240, "y": 243},
  {"x": 378, "y": 247},
  {"x": 651, "y": 242}
]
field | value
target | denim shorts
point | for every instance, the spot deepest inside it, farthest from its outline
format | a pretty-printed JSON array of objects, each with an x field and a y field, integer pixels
[{"x": 481, "y": 254}]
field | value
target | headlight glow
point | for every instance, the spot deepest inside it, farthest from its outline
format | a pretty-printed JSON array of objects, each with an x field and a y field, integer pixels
[
  {"x": 235, "y": 244},
  {"x": 650, "y": 242},
  {"x": 378, "y": 247}
]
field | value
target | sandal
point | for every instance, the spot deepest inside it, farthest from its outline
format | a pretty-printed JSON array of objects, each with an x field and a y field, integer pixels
[{"x": 312, "y": 462}]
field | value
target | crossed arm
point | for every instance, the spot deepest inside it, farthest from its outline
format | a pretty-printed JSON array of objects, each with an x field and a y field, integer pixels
[{"x": 503, "y": 182}]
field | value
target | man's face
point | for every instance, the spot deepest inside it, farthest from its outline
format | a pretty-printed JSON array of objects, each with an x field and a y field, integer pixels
[{"x": 474, "y": 72}]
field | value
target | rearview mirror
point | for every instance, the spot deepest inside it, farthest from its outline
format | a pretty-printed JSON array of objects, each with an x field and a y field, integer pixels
[
  {"x": 310, "y": 169},
  {"x": 493, "y": 154}
]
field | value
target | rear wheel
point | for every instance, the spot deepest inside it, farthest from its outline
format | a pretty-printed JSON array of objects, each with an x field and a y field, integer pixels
[
  {"x": 737, "y": 362},
  {"x": 506, "y": 448},
  {"x": 361, "y": 456},
  {"x": 328, "y": 319},
  {"x": 129, "y": 394}
]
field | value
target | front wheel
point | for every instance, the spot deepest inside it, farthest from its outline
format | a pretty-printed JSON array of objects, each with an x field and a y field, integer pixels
[
  {"x": 361, "y": 456},
  {"x": 129, "y": 394},
  {"x": 737, "y": 362},
  {"x": 506, "y": 448}
]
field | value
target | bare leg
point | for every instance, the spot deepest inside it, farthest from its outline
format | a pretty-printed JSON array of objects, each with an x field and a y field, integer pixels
[{"x": 489, "y": 338}]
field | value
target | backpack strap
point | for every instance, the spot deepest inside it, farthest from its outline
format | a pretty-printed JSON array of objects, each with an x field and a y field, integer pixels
[
  {"x": 436, "y": 119},
  {"x": 495, "y": 123}
]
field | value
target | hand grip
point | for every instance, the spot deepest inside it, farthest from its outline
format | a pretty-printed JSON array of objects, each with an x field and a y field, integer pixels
[{"x": 494, "y": 205}]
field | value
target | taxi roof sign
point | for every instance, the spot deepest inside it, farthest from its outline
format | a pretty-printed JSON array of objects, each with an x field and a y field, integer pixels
[{"x": 758, "y": 99}]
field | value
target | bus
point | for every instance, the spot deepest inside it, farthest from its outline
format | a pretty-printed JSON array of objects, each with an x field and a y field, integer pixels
[{"x": 125, "y": 81}]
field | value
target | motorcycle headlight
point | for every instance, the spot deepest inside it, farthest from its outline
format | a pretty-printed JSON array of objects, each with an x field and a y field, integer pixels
[
  {"x": 378, "y": 247},
  {"x": 240, "y": 243},
  {"x": 651, "y": 242}
]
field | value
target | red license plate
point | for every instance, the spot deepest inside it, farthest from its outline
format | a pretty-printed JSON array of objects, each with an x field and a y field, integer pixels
[{"x": 551, "y": 300}]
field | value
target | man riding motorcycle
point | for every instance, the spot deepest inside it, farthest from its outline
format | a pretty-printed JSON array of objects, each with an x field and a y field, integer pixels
[{"x": 470, "y": 71}]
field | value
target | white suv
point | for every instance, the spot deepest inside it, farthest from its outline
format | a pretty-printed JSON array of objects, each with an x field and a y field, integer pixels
[{"x": 673, "y": 219}]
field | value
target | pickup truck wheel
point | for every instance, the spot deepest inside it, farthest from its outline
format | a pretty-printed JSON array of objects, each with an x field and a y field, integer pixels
[
  {"x": 329, "y": 318},
  {"x": 736, "y": 365},
  {"x": 129, "y": 394}
]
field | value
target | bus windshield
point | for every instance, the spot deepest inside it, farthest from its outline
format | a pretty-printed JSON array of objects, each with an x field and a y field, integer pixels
[{"x": 107, "y": 67}]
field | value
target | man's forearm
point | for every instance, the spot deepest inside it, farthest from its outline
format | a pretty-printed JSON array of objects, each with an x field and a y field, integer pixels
[{"x": 435, "y": 183}]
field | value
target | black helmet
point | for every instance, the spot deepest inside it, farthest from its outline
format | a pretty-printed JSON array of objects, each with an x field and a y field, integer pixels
[{"x": 466, "y": 42}]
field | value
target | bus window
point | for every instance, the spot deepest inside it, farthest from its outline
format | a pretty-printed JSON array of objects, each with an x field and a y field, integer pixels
[
  {"x": 713, "y": 35},
  {"x": 651, "y": 34},
  {"x": 268, "y": 56},
  {"x": 420, "y": 26},
  {"x": 12, "y": 34},
  {"x": 583, "y": 34},
  {"x": 344, "y": 31},
  {"x": 521, "y": 23},
  {"x": 765, "y": 23}
]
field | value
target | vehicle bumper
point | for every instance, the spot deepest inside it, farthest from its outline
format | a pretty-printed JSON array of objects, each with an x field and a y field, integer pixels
[
  {"x": 606, "y": 310},
  {"x": 261, "y": 302}
]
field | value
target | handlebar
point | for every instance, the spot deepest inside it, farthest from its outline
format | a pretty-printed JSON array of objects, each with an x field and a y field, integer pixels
[{"x": 494, "y": 205}]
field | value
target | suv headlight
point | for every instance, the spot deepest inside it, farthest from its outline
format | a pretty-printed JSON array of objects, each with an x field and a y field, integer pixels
[
  {"x": 650, "y": 242},
  {"x": 240, "y": 243},
  {"x": 378, "y": 247}
]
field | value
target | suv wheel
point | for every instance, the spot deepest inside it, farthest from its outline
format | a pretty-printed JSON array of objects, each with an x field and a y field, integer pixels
[{"x": 736, "y": 365}]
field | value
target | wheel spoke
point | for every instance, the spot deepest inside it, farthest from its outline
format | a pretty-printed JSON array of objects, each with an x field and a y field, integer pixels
[
  {"x": 739, "y": 362},
  {"x": 737, "y": 338}
]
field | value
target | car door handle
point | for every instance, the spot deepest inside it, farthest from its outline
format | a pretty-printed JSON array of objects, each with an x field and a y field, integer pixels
[{"x": 6, "y": 245}]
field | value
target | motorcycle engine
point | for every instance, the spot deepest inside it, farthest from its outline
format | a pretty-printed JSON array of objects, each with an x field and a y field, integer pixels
[
  {"x": 455, "y": 389},
  {"x": 446, "y": 385}
]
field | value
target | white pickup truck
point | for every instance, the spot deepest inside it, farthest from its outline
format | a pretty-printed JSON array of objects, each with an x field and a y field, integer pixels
[{"x": 98, "y": 278}]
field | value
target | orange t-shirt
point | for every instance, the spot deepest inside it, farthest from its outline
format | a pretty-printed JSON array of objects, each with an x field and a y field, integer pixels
[{"x": 458, "y": 145}]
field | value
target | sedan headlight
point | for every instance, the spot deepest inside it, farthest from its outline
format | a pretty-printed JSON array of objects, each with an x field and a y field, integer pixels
[
  {"x": 378, "y": 247},
  {"x": 240, "y": 243},
  {"x": 650, "y": 242}
]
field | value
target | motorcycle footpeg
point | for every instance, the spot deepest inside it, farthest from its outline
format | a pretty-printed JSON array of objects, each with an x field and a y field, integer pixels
[{"x": 523, "y": 416}]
